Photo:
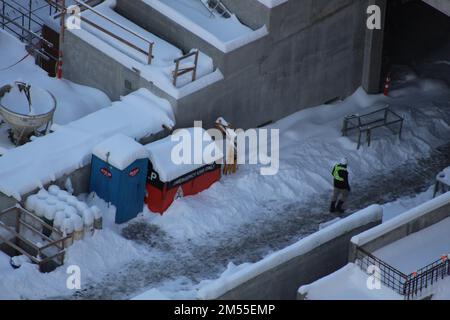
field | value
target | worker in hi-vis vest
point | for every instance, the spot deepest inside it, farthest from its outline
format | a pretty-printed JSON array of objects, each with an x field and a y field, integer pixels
[{"x": 341, "y": 186}]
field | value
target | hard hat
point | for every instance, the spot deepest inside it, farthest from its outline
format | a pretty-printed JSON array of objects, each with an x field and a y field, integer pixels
[{"x": 344, "y": 161}]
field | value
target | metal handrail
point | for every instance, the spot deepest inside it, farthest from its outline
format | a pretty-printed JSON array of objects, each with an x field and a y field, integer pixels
[
  {"x": 30, "y": 12},
  {"x": 179, "y": 72},
  {"x": 410, "y": 285},
  {"x": 38, "y": 259},
  {"x": 33, "y": 34},
  {"x": 150, "y": 43},
  {"x": 367, "y": 127}
]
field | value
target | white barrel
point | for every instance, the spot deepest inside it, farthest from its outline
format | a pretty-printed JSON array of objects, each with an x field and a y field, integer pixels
[{"x": 54, "y": 190}]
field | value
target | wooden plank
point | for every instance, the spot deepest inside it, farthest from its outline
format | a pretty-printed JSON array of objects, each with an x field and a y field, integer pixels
[{"x": 15, "y": 247}]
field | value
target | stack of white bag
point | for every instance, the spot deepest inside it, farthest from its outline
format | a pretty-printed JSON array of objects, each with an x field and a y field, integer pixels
[{"x": 67, "y": 214}]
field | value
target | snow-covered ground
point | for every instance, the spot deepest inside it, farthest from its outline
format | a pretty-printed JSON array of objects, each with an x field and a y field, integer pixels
[
  {"x": 73, "y": 101},
  {"x": 245, "y": 217},
  {"x": 348, "y": 283}
]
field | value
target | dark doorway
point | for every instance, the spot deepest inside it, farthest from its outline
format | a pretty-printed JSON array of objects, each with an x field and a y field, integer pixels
[{"x": 418, "y": 36}]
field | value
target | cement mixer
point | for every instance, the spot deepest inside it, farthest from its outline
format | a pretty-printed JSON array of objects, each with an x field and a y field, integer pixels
[{"x": 27, "y": 110}]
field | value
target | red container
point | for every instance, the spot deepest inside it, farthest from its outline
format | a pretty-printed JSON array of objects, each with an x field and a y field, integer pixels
[{"x": 161, "y": 195}]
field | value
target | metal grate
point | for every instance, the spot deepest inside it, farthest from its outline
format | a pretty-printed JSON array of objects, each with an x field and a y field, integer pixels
[
  {"x": 410, "y": 286},
  {"x": 389, "y": 276},
  {"x": 366, "y": 123}
]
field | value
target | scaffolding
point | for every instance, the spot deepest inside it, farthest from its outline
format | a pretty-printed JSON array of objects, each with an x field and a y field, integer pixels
[{"x": 26, "y": 22}]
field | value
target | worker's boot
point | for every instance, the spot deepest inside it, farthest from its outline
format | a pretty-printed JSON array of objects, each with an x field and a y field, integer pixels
[
  {"x": 339, "y": 207},
  {"x": 333, "y": 207}
]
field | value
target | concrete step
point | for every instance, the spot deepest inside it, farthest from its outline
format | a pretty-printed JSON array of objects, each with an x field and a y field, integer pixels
[{"x": 167, "y": 28}]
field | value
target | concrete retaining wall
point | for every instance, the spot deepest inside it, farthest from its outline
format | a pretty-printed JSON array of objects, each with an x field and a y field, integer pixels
[
  {"x": 398, "y": 228},
  {"x": 280, "y": 275},
  {"x": 313, "y": 53}
]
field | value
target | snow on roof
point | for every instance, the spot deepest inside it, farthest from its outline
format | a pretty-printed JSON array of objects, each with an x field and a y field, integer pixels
[
  {"x": 160, "y": 153},
  {"x": 159, "y": 72},
  {"x": 120, "y": 151},
  {"x": 348, "y": 283},
  {"x": 69, "y": 148},
  {"x": 226, "y": 34}
]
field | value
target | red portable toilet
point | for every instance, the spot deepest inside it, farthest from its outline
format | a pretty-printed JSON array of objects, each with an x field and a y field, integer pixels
[{"x": 167, "y": 180}]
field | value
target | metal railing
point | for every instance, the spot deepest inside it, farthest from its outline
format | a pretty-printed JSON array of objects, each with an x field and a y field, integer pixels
[
  {"x": 21, "y": 26},
  {"x": 409, "y": 286},
  {"x": 52, "y": 251},
  {"x": 150, "y": 44},
  {"x": 388, "y": 275},
  {"x": 180, "y": 71},
  {"x": 418, "y": 282},
  {"x": 366, "y": 123}
]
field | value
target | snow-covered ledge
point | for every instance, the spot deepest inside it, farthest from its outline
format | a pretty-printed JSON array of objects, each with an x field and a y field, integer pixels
[
  {"x": 293, "y": 258},
  {"x": 409, "y": 222}
]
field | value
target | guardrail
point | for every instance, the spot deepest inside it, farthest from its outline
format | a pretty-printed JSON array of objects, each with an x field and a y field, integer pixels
[
  {"x": 366, "y": 123},
  {"x": 148, "y": 53},
  {"x": 23, "y": 245},
  {"x": 409, "y": 286},
  {"x": 180, "y": 71}
]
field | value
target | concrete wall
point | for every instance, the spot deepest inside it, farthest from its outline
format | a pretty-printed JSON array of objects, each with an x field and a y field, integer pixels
[
  {"x": 87, "y": 65},
  {"x": 426, "y": 220},
  {"x": 282, "y": 282},
  {"x": 281, "y": 274},
  {"x": 313, "y": 54},
  {"x": 373, "y": 53}
]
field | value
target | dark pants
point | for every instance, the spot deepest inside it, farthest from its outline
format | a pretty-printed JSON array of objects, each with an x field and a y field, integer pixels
[{"x": 340, "y": 195}]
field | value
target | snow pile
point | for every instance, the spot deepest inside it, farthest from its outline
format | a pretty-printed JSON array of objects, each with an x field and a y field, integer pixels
[
  {"x": 348, "y": 283},
  {"x": 69, "y": 148},
  {"x": 120, "y": 151},
  {"x": 404, "y": 204},
  {"x": 217, "y": 288},
  {"x": 401, "y": 220},
  {"x": 104, "y": 252},
  {"x": 226, "y": 34},
  {"x": 162, "y": 153},
  {"x": 444, "y": 176},
  {"x": 16, "y": 101},
  {"x": 159, "y": 72},
  {"x": 64, "y": 211}
]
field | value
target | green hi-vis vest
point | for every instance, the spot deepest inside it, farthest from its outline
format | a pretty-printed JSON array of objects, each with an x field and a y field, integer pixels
[{"x": 336, "y": 172}]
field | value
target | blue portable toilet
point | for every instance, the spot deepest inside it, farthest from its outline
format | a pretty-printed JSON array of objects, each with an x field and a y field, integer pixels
[{"x": 118, "y": 175}]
